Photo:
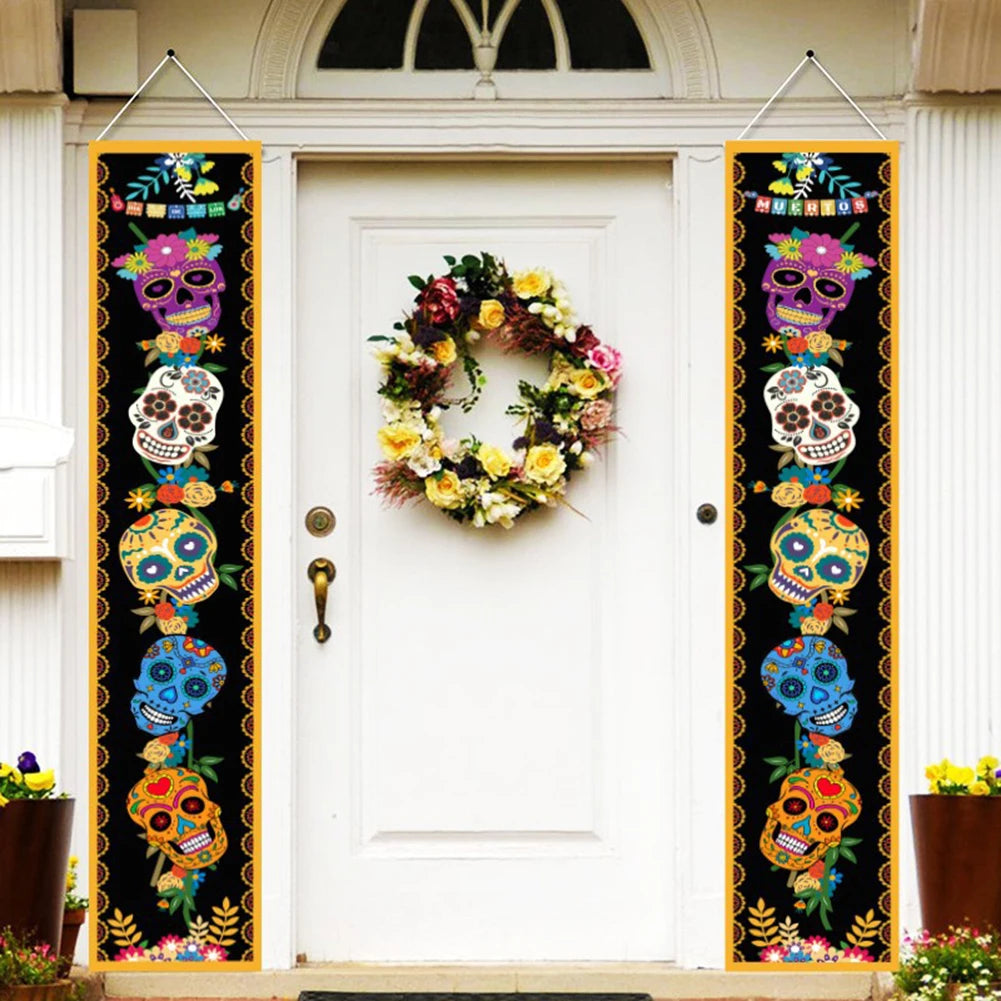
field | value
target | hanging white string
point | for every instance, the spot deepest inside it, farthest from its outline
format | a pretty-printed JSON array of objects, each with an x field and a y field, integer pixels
[
  {"x": 170, "y": 57},
  {"x": 810, "y": 58}
]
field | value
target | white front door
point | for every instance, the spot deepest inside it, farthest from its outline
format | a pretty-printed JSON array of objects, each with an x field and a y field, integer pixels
[{"x": 485, "y": 750}]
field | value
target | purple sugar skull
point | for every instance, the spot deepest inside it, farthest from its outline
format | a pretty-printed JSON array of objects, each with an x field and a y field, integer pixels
[
  {"x": 177, "y": 280},
  {"x": 809, "y": 280}
]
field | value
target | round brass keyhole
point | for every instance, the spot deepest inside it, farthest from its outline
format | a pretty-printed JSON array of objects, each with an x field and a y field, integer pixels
[{"x": 320, "y": 521}]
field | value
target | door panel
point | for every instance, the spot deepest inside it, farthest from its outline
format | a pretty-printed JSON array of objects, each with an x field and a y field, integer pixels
[{"x": 484, "y": 758}]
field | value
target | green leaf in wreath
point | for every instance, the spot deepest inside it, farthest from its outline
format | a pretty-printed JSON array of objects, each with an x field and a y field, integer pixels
[
  {"x": 417, "y": 282},
  {"x": 382, "y": 337}
]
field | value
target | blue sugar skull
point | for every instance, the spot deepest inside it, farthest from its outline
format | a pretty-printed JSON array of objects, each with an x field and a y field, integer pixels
[
  {"x": 808, "y": 677},
  {"x": 177, "y": 678}
]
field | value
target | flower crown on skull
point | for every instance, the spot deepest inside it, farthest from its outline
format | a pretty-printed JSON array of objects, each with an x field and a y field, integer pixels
[
  {"x": 820, "y": 250},
  {"x": 168, "y": 250}
]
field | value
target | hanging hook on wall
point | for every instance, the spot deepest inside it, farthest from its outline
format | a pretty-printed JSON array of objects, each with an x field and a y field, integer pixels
[{"x": 810, "y": 57}]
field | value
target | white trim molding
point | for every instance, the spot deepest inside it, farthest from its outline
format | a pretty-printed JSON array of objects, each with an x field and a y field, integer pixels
[{"x": 292, "y": 32}]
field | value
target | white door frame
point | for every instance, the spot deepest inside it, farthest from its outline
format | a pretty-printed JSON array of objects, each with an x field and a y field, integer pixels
[{"x": 691, "y": 134}]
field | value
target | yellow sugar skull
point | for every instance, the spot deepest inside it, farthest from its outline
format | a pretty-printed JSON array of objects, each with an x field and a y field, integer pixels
[
  {"x": 816, "y": 550},
  {"x": 814, "y": 807},
  {"x": 173, "y": 807},
  {"x": 170, "y": 551}
]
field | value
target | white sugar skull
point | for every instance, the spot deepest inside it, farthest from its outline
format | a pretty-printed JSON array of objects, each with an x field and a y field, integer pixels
[
  {"x": 811, "y": 414},
  {"x": 176, "y": 412},
  {"x": 178, "y": 677},
  {"x": 166, "y": 550}
]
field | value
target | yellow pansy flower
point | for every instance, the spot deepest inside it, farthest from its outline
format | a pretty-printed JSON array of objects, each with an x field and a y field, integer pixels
[
  {"x": 987, "y": 765},
  {"x": 979, "y": 788},
  {"x": 958, "y": 775},
  {"x": 398, "y": 441},
  {"x": 11, "y": 771},
  {"x": 40, "y": 781}
]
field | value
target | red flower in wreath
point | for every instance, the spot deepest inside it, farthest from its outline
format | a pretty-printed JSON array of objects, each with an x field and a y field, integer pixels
[{"x": 440, "y": 301}]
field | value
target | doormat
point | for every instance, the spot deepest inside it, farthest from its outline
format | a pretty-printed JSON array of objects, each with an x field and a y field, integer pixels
[
  {"x": 521, "y": 996},
  {"x": 811, "y": 576},
  {"x": 174, "y": 555}
]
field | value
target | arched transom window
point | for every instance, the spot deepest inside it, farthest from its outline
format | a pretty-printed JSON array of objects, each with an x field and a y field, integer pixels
[{"x": 480, "y": 48}]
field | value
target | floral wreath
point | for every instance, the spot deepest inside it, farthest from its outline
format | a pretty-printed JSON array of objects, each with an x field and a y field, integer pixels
[{"x": 565, "y": 420}]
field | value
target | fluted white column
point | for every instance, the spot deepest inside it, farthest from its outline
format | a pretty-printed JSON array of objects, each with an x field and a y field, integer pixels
[
  {"x": 31, "y": 378},
  {"x": 950, "y": 456},
  {"x": 31, "y": 258}
]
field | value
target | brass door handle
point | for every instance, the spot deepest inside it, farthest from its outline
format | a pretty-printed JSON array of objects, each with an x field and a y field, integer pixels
[{"x": 322, "y": 573}]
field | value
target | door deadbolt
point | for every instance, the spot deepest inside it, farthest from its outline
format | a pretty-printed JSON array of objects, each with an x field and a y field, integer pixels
[
  {"x": 707, "y": 513},
  {"x": 320, "y": 521}
]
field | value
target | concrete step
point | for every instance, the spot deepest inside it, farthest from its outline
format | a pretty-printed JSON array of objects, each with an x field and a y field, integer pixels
[{"x": 661, "y": 980}]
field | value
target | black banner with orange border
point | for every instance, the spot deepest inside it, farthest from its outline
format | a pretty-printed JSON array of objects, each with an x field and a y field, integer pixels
[
  {"x": 812, "y": 257},
  {"x": 175, "y": 794}
]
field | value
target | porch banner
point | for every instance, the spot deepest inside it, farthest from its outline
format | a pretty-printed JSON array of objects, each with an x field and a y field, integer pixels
[
  {"x": 812, "y": 251},
  {"x": 175, "y": 795}
]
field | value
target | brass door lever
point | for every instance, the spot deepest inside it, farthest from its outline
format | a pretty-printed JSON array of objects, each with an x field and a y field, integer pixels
[{"x": 322, "y": 573}]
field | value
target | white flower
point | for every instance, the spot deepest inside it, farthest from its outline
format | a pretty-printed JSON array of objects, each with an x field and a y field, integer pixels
[
  {"x": 423, "y": 464},
  {"x": 576, "y": 448},
  {"x": 479, "y": 519},
  {"x": 472, "y": 336},
  {"x": 434, "y": 413},
  {"x": 586, "y": 458},
  {"x": 536, "y": 307},
  {"x": 571, "y": 335}
]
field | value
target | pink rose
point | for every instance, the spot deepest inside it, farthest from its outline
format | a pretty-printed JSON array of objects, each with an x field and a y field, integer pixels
[
  {"x": 596, "y": 415},
  {"x": 607, "y": 359},
  {"x": 440, "y": 300}
]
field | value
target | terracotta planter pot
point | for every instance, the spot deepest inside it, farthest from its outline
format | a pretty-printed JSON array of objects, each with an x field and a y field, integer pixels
[
  {"x": 58, "y": 991},
  {"x": 34, "y": 857},
  {"x": 72, "y": 920},
  {"x": 958, "y": 860}
]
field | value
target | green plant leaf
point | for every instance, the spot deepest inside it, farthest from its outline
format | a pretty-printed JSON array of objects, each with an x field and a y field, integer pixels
[
  {"x": 758, "y": 581},
  {"x": 776, "y": 366},
  {"x": 848, "y": 854},
  {"x": 209, "y": 772},
  {"x": 229, "y": 567},
  {"x": 212, "y": 366},
  {"x": 757, "y": 568},
  {"x": 417, "y": 282},
  {"x": 229, "y": 581}
]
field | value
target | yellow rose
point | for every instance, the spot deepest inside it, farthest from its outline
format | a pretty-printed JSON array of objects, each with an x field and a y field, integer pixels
[
  {"x": 168, "y": 342},
  {"x": 531, "y": 284},
  {"x": 814, "y": 627},
  {"x": 788, "y": 494},
  {"x": 979, "y": 788},
  {"x": 173, "y": 627},
  {"x": 587, "y": 383},
  {"x": 398, "y": 441},
  {"x": 819, "y": 341},
  {"x": 831, "y": 753},
  {"x": 445, "y": 490},
  {"x": 804, "y": 881},
  {"x": 155, "y": 752},
  {"x": 198, "y": 494},
  {"x": 491, "y": 314},
  {"x": 168, "y": 881},
  {"x": 40, "y": 781},
  {"x": 544, "y": 464},
  {"x": 444, "y": 351},
  {"x": 495, "y": 461}
]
